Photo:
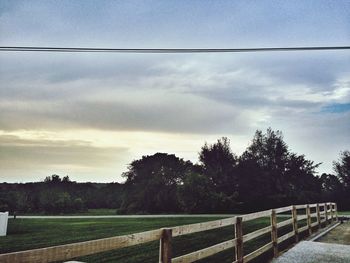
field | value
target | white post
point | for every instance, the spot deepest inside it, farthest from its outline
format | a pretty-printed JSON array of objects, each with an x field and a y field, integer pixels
[{"x": 3, "y": 223}]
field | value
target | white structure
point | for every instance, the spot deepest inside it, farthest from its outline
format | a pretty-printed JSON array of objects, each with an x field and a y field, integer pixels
[{"x": 3, "y": 223}]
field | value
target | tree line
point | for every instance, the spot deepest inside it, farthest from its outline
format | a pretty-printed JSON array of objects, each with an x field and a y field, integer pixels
[
  {"x": 56, "y": 195},
  {"x": 267, "y": 174}
]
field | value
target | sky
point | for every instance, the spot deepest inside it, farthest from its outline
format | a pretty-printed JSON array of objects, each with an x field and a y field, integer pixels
[{"x": 88, "y": 115}]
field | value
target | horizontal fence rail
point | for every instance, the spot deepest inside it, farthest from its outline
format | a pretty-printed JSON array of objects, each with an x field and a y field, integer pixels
[{"x": 324, "y": 214}]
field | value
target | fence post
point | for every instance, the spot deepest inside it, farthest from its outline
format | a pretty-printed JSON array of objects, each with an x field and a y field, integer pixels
[
  {"x": 239, "y": 240},
  {"x": 274, "y": 232},
  {"x": 295, "y": 223},
  {"x": 318, "y": 216},
  {"x": 3, "y": 223},
  {"x": 326, "y": 212},
  {"x": 165, "y": 246},
  {"x": 331, "y": 204},
  {"x": 308, "y": 219},
  {"x": 336, "y": 212}
]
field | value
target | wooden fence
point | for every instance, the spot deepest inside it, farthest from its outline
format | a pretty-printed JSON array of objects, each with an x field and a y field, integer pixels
[{"x": 324, "y": 214}]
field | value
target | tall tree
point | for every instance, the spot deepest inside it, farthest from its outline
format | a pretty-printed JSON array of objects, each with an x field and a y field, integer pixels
[
  {"x": 270, "y": 154},
  {"x": 270, "y": 175},
  {"x": 151, "y": 183},
  {"x": 301, "y": 184},
  {"x": 196, "y": 194},
  {"x": 219, "y": 164},
  {"x": 342, "y": 169},
  {"x": 332, "y": 188}
]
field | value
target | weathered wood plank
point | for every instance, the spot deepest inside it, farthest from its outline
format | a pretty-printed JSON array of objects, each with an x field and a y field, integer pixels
[
  {"x": 285, "y": 223},
  {"x": 302, "y": 229},
  {"x": 283, "y": 209},
  {"x": 198, "y": 227},
  {"x": 256, "y": 215},
  {"x": 256, "y": 233},
  {"x": 285, "y": 237},
  {"x": 69, "y": 251},
  {"x": 206, "y": 252},
  {"x": 257, "y": 252},
  {"x": 336, "y": 211},
  {"x": 295, "y": 224},
  {"x": 239, "y": 253},
  {"x": 314, "y": 224},
  {"x": 313, "y": 214},
  {"x": 165, "y": 248},
  {"x": 300, "y": 206},
  {"x": 274, "y": 233},
  {"x": 308, "y": 221},
  {"x": 326, "y": 212},
  {"x": 318, "y": 216},
  {"x": 65, "y": 252},
  {"x": 302, "y": 217}
]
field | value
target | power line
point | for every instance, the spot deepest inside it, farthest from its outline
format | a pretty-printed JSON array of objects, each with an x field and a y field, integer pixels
[{"x": 168, "y": 50}]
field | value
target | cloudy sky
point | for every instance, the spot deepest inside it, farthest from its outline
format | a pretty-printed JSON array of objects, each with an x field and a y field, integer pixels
[{"x": 89, "y": 115}]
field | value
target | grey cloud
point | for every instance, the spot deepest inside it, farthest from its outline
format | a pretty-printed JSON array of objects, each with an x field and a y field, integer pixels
[
  {"x": 321, "y": 136},
  {"x": 68, "y": 76},
  {"x": 256, "y": 98},
  {"x": 33, "y": 153},
  {"x": 276, "y": 83},
  {"x": 157, "y": 112},
  {"x": 315, "y": 69},
  {"x": 153, "y": 93},
  {"x": 26, "y": 160},
  {"x": 202, "y": 93},
  {"x": 13, "y": 140}
]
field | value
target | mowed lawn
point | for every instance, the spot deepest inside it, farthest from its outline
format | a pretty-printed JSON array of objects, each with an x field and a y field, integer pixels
[
  {"x": 344, "y": 212},
  {"x": 89, "y": 212},
  {"x": 35, "y": 233}
]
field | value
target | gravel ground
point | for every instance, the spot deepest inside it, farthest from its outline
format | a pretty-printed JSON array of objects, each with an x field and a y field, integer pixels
[
  {"x": 316, "y": 252},
  {"x": 338, "y": 235}
]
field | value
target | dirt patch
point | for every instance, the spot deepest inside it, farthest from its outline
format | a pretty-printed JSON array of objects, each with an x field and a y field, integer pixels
[{"x": 338, "y": 235}]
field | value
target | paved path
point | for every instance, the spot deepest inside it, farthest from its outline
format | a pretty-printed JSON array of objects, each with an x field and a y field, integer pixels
[
  {"x": 132, "y": 216},
  {"x": 126, "y": 216},
  {"x": 339, "y": 235},
  {"x": 315, "y": 252},
  {"x": 136, "y": 216}
]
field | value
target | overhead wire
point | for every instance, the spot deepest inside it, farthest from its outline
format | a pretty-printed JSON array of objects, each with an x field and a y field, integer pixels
[{"x": 167, "y": 50}]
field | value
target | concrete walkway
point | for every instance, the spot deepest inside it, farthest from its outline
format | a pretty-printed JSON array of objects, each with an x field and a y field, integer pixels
[
  {"x": 122, "y": 216},
  {"x": 132, "y": 216},
  {"x": 315, "y": 252}
]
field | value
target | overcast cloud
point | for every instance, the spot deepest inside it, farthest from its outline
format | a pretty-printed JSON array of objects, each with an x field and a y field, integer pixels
[{"x": 126, "y": 105}]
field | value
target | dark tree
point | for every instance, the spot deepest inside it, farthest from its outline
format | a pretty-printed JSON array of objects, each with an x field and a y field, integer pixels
[
  {"x": 262, "y": 170},
  {"x": 266, "y": 175},
  {"x": 219, "y": 163},
  {"x": 195, "y": 195},
  {"x": 53, "y": 179},
  {"x": 151, "y": 183},
  {"x": 332, "y": 189},
  {"x": 302, "y": 186},
  {"x": 342, "y": 169},
  {"x": 270, "y": 175}
]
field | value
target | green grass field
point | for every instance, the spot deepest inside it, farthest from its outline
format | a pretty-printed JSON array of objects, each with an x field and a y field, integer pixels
[
  {"x": 89, "y": 212},
  {"x": 344, "y": 212},
  {"x": 108, "y": 212},
  {"x": 35, "y": 233}
]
